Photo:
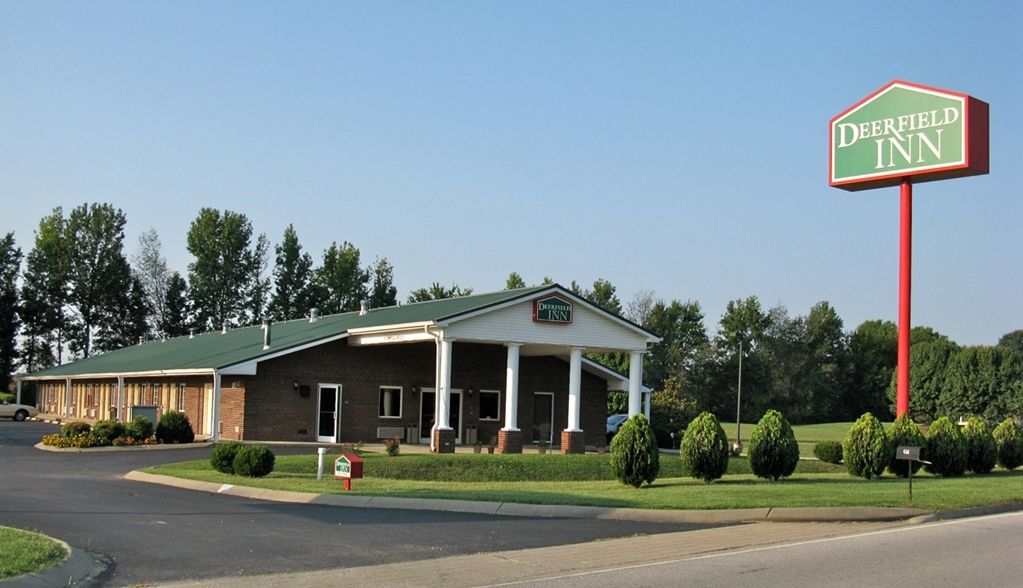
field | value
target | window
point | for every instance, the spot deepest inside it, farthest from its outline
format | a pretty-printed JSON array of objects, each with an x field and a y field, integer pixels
[
  {"x": 390, "y": 402},
  {"x": 490, "y": 405},
  {"x": 181, "y": 398}
]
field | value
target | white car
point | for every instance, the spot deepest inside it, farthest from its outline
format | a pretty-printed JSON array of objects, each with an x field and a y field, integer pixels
[
  {"x": 18, "y": 412},
  {"x": 614, "y": 422}
]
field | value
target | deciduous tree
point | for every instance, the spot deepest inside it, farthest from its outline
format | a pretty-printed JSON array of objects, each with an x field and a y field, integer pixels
[
  {"x": 437, "y": 292},
  {"x": 220, "y": 277},
  {"x": 340, "y": 283},
  {"x": 382, "y": 292},
  {"x": 293, "y": 273}
]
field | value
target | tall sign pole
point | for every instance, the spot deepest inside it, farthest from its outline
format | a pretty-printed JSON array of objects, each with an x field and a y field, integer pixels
[{"x": 902, "y": 134}]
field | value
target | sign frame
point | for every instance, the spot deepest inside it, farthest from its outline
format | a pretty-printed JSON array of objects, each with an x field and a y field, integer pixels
[
  {"x": 538, "y": 316},
  {"x": 975, "y": 158}
]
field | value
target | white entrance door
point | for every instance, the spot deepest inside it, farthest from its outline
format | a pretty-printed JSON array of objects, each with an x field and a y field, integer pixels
[{"x": 328, "y": 413}]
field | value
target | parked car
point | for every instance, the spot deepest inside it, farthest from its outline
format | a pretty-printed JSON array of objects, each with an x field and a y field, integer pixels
[
  {"x": 614, "y": 421},
  {"x": 18, "y": 412}
]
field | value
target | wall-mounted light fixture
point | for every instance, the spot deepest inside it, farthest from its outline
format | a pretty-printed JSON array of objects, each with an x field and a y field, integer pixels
[
  {"x": 470, "y": 390},
  {"x": 295, "y": 385},
  {"x": 415, "y": 390}
]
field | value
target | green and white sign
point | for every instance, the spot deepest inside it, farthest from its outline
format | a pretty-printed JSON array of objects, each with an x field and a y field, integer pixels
[
  {"x": 552, "y": 309},
  {"x": 907, "y": 130}
]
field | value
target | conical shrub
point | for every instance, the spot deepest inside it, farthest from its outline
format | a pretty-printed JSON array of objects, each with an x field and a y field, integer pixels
[
  {"x": 946, "y": 449},
  {"x": 865, "y": 449},
  {"x": 1009, "y": 443},
  {"x": 704, "y": 449},
  {"x": 981, "y": 453},
  {"x": 773, "y": 451},
  {"x": 634, "y": 455},
  {"x": 904, "y": 431}
]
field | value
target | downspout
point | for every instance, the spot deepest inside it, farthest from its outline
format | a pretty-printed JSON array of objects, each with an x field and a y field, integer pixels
[
  {"x": 67, "y": 397},
  {"x": 17, "y": 397},
  {"x": 216, "y": 406}
]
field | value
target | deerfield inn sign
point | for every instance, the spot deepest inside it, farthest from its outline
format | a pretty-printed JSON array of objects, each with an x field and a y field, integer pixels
[{"x": 908, "y": 130}]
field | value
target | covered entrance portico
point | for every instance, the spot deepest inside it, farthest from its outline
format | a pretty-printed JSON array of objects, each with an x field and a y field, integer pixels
[{"x": 551, "y": 322}]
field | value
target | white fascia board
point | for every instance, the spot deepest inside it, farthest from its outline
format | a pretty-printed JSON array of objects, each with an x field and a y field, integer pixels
[
  {"x": 609, "y": 375},
  {"x": 391, "y": 328},
  {"x": 139, "y": 374},
  {"x": 248, "y": 367},
  {"x": 651, "y": 339}
]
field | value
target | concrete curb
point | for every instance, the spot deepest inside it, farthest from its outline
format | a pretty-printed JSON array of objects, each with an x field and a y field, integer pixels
[
  {"x": 840, "y": 514},
  {"x": 109, "y": 448}
]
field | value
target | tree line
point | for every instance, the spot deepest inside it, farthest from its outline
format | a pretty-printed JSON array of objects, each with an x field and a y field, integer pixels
[{"x": 80, "y": 295}]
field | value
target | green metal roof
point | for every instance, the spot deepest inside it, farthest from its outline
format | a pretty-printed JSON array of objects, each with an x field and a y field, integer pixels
[{"x": 215, "y": 350}]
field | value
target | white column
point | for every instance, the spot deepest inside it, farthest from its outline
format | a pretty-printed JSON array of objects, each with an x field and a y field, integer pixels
[
  {"x": 17, "y": 398},
  {"x": 216, "y": 406},
  {"x": 646, "y": 406},
  {"x": 575, "y": 377},
  {"x": 444, "y": 394},
  {"x": 121, "y": 410},
  {"x": 635, "y": 382},
  {"x": 511, "y": 393},
  {"x": 67, "y": 397}
]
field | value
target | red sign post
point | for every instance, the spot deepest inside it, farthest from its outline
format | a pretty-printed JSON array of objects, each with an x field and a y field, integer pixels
[{"x": 900, "y": 133}]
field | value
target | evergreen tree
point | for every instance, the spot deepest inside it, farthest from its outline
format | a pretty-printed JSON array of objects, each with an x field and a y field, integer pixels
[
  {"x": 293, "y": 274},
  {"x": 680, "y": 326},
  {"x": 340, "y": 283},
  {"x": 220, "y": 279},
  {"x": 259, "y": 281},
  {"x": 10, "y": 267},
  {"x": 382, "y": 292},
  {"x": 175, "y": 319}
]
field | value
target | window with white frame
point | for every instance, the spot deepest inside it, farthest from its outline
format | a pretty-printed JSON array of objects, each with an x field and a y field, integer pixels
[
  {"x": 181, "y": 398},
  {"x": 390, "y": 402},
  {"x": 490, "y": 405}
]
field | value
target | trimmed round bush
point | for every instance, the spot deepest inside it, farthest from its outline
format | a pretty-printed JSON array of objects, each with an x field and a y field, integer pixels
[
  {"x": 773, "y": 451},
  {"x": 253, "y": 461},
  {"x": 828, "y": 451},
  {"x": 704, "y": 448},
  {"x": 1009, "y": 443},
  {"x": 107, "y": 430},
  {"x": 222, "y": 458},
  {"x": 981, "y": 453},
  {"x": 140, "y": 428},
  {"x": 174, "y": 428},
  {"x": 74, "y": 428},
  {"x": 904, "y": 431},
  {"x": 946, "y": 449},
  {"x": 634, "y": 455},
  {"x": 865, "y": 449}
]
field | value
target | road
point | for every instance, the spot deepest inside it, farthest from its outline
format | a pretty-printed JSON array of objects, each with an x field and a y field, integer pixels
[
  {"x": 153, "y": 534},
  {"x": 981, "y": 551}
]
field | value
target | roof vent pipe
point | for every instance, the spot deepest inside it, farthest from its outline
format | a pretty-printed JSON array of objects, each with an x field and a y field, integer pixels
[
  {"x": 314, "y": 314},
  {"x": 223, "y": 329},
  {"x": 363, "y": 307},
  {"x": 191, "y": 333},
  {"x": 266, "y": 336}
]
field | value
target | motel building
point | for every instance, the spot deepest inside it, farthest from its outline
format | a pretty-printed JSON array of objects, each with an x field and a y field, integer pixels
[{"x": 507, "y": 366}]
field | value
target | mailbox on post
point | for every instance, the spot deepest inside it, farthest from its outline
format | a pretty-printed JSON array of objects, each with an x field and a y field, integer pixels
[
  {"x": 347, "y": 467},
  {"x": 909, "y": 454}
]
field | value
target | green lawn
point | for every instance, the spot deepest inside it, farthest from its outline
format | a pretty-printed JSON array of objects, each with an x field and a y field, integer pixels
[
  {"x": 23, "y": 552},
  {"x": 815, "y": 485},
  {"x": 806, "y": 435}
]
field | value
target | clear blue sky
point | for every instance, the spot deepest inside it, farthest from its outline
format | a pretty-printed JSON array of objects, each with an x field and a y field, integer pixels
[{"x": 676, "y": 147}]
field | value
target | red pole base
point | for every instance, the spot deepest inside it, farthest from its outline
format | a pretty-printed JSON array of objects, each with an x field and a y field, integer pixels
[{"x": 348, "y": 484}]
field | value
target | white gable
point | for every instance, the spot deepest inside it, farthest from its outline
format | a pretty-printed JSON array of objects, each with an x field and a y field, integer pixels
[{"x": 591, "y": 329}]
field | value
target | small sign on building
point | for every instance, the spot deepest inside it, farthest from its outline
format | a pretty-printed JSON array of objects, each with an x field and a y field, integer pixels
[{"x": 552, "y": 309}]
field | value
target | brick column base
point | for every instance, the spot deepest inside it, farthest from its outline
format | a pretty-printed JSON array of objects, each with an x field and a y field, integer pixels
[
  {"x": 573, "y": 442},
  {"x": 444, "y": 440},
  {"x": 509, "y": 441}
]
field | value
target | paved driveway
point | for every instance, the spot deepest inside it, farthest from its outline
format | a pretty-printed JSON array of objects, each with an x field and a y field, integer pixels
[{"x": 154, "y": 533}]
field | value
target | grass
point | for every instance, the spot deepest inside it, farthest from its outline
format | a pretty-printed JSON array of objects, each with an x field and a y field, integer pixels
[
  {"x": 24, "y": 552},
  {"x": 814, "y": 485}
]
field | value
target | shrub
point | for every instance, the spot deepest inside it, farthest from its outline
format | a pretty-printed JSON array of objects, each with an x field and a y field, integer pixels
[
  {"x": 865, "y": 449},
  {"x": 1009, "y": 443},
  {"x": 904, "y": 432},
  {"x": 222, "y": 458},
  {"x": 773, "y": 451},
  {"x": 946, "y": 449},
  {"x": 108, "y": 430},
  {"x": 828, "y": 451},
  {"x": 70, "y": 429},
  {"x": 981, "y": 453},
  {"x": 704, "y": 448},
  {"x": 393, "y": 446},
  {"x": 253, "y": 461},
  {"x": 140, "y": 428},
  {"x": 126, "y": 440},
  {"x": 174, "y": 428},
  {"x": 634, "y": 455}
]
